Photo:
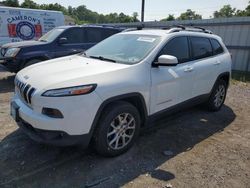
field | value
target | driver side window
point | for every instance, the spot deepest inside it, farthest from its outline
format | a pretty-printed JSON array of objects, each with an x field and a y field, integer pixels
[
  {"x": 73, "y": 35},
  {"x": 177, "y": 47}
]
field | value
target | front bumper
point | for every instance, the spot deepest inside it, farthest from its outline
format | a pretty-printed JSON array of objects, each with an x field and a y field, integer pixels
[
  {"x": 75, "y": 127},
  {"x": 56, "y": 138},
  {"x": 11, "y": 64}
]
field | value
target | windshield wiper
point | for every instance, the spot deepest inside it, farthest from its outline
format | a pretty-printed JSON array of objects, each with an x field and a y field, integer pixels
[
  {"x": 43, "y": 40},
  {"x": 102, "y": 58}
]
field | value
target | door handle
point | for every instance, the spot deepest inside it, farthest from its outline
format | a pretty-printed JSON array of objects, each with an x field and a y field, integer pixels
[
  {"x": 217, "y": 63},
  {"x": 188, "y": 69}
]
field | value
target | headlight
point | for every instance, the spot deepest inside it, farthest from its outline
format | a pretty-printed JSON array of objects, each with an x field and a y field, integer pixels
[
  {"x": 70, "y": 91},
  {"x": 11, "y": 52}
]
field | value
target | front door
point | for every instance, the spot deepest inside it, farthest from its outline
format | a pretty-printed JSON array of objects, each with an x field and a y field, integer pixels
[
  {"x": 73, "y": 45},
  {"x": 172, "y": 85}
]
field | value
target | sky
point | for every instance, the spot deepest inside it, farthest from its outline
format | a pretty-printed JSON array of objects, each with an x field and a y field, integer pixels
[{"x": 154, "y": 9}]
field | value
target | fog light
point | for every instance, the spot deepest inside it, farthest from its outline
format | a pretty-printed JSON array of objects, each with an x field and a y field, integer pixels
[{"x": 51, "y": 112}]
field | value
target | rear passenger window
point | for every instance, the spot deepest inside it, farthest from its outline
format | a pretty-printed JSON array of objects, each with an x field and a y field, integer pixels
[
  {"x": 93, "y": 35},
  {"x": 201, "y": 47},
  {"x": 216, "y": 47},
  {"x": 108, "y": 32},
  {"x": 73, "y": 35},
  {"x": 177, "y": 47}
]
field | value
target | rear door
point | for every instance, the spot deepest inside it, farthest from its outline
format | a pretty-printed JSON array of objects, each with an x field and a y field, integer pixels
[
  {"x": 218, "y": 51},
  {"x": 204, "y": 64},
  {"x": 172, "y": 84},
  {"x": 94, "y": 35}
]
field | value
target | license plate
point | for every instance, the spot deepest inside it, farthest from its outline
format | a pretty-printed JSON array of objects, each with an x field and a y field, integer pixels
[{"x": 14, "y": 111}]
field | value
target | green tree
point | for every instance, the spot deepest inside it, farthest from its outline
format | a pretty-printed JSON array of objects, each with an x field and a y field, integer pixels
[
  {"x": 10, "y": 3},
  {"x": 85, "y": 15},
  {"x": 81, "y": 14},
  {"x": 56, "y": 7},
  {"x": 135, "y": 17},
  {"x": 70, "y": 10},
  {"x": 169, "y": 18},
  {"x": 112, "y": 18},
  {"x": 240, "y": 13},
  {"x": 225, "y": 12},
  {"x": 189, "y": 15},
  {"x": 30, "y": 4},
  {"x": 101, "y": 18},
  {"x": 247, "y": 10},
  {"x": 124, "y": 18}
]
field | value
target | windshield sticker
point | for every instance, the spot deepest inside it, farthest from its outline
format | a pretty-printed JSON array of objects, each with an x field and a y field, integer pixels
[{"x": 146, "y": 39}]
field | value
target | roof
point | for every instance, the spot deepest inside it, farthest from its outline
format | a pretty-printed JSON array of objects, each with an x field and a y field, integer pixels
[
  {"x": 157, "y": 32},
  {"x": 90, "y": 26}
]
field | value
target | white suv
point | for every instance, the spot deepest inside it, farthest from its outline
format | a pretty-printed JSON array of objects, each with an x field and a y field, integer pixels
[{"x": 107, "y": 94}]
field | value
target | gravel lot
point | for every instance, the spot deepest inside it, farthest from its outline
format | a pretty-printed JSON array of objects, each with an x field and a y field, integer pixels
[{"x": 201, "y": 149}]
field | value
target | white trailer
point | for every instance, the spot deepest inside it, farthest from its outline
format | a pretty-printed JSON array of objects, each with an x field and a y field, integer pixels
[{"x": 18, "y": 24}]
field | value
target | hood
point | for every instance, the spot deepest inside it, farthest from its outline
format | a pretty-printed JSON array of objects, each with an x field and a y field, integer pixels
[
  {"x": 23, "y": 44},
  {"x": 67, "y": 71}
]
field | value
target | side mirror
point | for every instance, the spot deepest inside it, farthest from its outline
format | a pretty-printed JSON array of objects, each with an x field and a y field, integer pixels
[
  {"x": 167, "y": 60},
  {"x": 62, "y": 41}
]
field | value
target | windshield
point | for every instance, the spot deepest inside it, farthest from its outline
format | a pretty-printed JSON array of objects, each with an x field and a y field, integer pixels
[
  {"x": 124, "y": 48},
  {"x": 51, "y": 35}
]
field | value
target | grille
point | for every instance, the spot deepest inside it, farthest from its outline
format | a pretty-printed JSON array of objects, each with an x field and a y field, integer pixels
[
  {"x": 25, "y": 90},
  {"x": 2, "y": 52}
]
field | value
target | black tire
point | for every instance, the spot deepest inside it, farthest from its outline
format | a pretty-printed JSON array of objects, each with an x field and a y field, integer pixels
[
  {"x": 211, "y": 104},
  {"x": 112, "y": 115},
  {"x": 31, "y": 62}
]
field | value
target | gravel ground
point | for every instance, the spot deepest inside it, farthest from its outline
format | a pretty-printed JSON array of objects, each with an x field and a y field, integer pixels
[{"x": 193, "y": 148}]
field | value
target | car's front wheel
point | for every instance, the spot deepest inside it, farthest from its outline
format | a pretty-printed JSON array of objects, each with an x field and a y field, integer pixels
[{"x": 118, "y": 129}]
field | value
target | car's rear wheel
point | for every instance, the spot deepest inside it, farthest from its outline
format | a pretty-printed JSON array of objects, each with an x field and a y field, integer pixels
[
  {"x": 118, "y": 129},
  {"x": 218, "y": 96}
]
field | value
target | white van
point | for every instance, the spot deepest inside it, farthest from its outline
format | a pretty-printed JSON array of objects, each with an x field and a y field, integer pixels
[{"x": 18, "y": 24}]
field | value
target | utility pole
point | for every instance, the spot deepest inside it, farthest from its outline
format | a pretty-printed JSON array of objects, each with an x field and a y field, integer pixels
[{"x": 142, "y": 10}]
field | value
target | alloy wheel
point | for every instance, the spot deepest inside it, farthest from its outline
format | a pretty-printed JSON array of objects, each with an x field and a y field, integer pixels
[
  {"x": 219, "y": 96},
  {"x": 121, "y": 131}
]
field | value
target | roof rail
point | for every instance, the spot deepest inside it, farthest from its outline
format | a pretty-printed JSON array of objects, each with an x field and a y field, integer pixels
[
  {"x": 173, "y": 29},
  {"x": 129, "y": 29},
  {"x": 177, "y": 28},
  {"x": 203, "y": 29},
  {"x": 101, "y": 26},
  {"x": 180, "y": 26},
  {"x": 139, "y": 27}
]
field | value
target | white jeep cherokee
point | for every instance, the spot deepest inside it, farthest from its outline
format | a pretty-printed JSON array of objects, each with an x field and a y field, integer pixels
[{"x": 112, "y": 90}]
